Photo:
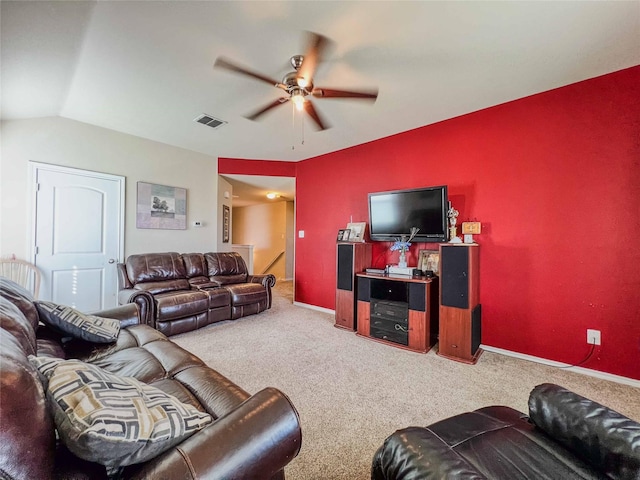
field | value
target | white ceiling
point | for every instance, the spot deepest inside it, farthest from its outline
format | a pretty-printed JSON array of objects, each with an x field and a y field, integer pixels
[{"x": 145, "y": 67}]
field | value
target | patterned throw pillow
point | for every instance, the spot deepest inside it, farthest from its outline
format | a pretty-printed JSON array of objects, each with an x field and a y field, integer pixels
[
  {"x": 70, "y": 321},
  {"x": 112, "y": 420}
]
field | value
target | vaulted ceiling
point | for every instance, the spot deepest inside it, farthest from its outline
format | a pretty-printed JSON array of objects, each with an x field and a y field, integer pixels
[{"x": 146, "y": 67}]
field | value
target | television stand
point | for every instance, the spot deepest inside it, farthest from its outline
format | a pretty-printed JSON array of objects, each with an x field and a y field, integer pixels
[{"x": 398, "y": 310}]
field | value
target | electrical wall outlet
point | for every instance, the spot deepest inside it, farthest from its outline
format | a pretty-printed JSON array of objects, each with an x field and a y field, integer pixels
[{"x": 593, "y": 337}]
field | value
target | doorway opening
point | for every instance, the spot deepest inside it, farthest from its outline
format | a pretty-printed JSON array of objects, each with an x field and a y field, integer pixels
[{"x": 263, "y": 223}]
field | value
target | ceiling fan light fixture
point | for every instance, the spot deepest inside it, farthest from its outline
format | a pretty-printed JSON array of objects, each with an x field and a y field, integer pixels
[
  {"x": 297, "y": 97},
  {"x": 272, "y": 195},
  {"x": 302, "y": 82}
]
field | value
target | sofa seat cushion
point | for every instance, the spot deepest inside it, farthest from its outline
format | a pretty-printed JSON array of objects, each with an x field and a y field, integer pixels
[
  {"x": 172, "y": 305},
  {"x": 113, "y": 420},
  {"x": 247, "y": 293},
  {"x": 218, "y": 297}
]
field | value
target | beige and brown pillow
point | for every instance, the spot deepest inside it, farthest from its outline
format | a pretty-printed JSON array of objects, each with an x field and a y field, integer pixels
[{"x": 112, "y": 420}]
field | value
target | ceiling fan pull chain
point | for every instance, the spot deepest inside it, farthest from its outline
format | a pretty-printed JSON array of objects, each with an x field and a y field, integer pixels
[
  {"x": 293, "y": 126},
  {"x": 302, "y": 122}
]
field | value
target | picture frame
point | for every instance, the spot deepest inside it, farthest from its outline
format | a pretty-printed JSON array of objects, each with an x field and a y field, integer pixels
[
  {"x": 343, "y": 235},
  {"x": 161, "y": 207},
  {"x": 226, "y": 220},
  {"x": 357, "y": 231},
  {"x": 429, "y": 260}
]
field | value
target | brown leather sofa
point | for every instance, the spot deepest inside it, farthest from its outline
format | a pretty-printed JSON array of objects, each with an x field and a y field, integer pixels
[
  {"x": 565, "y": 436},
  {"x": 183, "y": 292},
  {"x": 252, "y": 436}
]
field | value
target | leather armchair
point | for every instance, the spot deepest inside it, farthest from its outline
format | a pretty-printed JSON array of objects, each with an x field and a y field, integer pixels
[{"x": 565, "y": 436}]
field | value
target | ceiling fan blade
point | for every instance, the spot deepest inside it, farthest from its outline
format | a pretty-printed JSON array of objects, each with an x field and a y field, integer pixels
[
  {"x": 265, "y": 109},
  {"x": 317, "y": 45},
  {"x": 313, "y": 113},
  {"x": 222, "y": 62},
  {"x": 332, "y": 93}
]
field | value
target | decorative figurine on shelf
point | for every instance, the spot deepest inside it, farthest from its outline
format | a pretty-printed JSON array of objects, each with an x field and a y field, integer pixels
[
  {"x": 453, "y": 230},
  {"x": 403, "y": 245}
]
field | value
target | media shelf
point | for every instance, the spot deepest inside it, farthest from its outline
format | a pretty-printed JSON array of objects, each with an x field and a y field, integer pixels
[{"x": 398, "y": 310}]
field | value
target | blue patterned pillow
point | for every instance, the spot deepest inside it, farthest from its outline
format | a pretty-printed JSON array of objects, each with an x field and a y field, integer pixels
[
  {"x": 70, "y": 321},
  {"x": 112, "y": 420}
]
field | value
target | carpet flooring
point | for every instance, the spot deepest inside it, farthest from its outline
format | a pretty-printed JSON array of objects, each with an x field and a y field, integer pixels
[{"x": 351, "y": 392}]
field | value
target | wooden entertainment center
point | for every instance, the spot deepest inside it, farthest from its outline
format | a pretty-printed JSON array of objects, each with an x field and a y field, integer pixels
[
  {"x": 398, "y": 309},
  {"x": 413, "y": 313}
]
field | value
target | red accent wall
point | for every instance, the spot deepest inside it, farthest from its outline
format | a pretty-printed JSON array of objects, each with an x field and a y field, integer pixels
[
  {"x": 555, "y": 180},
  {"x": 265, "y": 168}
]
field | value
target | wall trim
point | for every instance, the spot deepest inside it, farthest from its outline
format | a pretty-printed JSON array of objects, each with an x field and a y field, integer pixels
[
  {"x": 584, "y": 371},
  {"x": 315, "y": 307}
]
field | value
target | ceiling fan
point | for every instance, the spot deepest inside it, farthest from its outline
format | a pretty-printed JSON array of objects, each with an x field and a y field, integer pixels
[{"x": 299, "y": 83}]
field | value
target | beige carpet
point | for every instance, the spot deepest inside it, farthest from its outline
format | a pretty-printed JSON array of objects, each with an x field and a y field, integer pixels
[{"x": 352, "y": 392}]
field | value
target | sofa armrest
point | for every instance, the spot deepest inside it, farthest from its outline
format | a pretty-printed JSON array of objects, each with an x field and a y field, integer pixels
[
  {"x": 255, "y": 440},
  {"x": 145, "y": 301},
  {"x": 268, "y": 280},
  {"x": 602, "y": 437},
  {"x": 128, "y": 314}
]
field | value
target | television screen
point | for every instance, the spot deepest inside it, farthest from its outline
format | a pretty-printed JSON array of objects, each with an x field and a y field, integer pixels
[{"x": 392, "y": 214}]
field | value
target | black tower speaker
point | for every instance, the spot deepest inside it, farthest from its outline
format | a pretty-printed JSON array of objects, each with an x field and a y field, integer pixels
[
  {"x": 351, "y": 258},
  {"x": 460, "y": 311},
  {"x": 454, "y": 265},
  {"x": 345, "y": 267}
]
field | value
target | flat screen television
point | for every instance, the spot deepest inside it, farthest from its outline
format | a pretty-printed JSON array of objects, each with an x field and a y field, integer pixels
[{"x": 392, "y": 214}]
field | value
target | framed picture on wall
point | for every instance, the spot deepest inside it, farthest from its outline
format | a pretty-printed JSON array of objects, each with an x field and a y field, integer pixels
[
  {"x": 161, "y": 206},
  {"x": 226, "y": 219}
]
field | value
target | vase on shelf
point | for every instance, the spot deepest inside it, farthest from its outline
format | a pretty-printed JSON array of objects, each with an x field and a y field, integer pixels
[{"x": 402, "y": 261}]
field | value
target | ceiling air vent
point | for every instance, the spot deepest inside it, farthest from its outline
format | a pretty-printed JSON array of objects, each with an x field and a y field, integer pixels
[{"x": 209, "y": 121}]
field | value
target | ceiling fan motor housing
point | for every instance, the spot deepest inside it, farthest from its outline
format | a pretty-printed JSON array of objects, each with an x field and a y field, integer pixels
[{"x": 291, "y": 81}]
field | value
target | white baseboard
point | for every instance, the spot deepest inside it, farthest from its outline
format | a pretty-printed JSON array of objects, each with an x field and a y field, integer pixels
[
  {"x": 315, "y": 307},
  {"x": 585, "y": 371}
]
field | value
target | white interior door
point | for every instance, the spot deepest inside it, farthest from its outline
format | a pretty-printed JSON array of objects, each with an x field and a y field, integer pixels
[{"x": 78, "y": 235}]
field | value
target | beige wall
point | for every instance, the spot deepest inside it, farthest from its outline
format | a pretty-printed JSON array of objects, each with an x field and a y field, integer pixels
[
  {"x": 65, "y": 142},
  {"x": 265, "y": 227}
]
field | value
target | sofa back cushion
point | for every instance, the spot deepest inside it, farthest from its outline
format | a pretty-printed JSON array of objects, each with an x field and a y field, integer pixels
[
  {"x": 196, "y": 267},
  {"x": 18, "y": 314},
  {"x": 27, "y": 436},
  {"x": 157, "y": 272},
  {"x": 226, "y": 267}
]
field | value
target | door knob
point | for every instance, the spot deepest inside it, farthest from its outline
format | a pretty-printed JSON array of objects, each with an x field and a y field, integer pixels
[{"x": 112, "y": 260}]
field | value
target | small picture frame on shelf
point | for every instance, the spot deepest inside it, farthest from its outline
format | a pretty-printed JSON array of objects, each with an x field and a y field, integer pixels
[
  {"x": 357, "y": 231},
  {"x": 343, "y": 235},
  {"x": 429, "y": 260}
]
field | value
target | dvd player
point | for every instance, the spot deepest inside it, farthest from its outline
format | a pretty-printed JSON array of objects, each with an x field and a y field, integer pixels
[{"x": 375, "y": 270}]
